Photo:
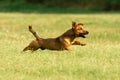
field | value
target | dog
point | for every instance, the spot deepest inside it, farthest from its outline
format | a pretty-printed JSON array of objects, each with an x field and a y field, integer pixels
[{"x": 62, "y": 42}]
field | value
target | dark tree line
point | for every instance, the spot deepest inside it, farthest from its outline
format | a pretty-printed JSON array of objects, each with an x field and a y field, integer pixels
[
  {"x": 34, "y": 1},
  {"x": 99, "y": 4},
  {"x": 84, "y": 4}
]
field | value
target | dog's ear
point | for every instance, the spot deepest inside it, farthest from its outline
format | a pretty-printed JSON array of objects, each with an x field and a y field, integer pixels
[
  {"x": 73, "y": 24},
  {"x": 80, "y": 24}
]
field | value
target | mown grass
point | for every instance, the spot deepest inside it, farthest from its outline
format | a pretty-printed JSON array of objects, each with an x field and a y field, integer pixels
[{"x": 98, "y": 60}]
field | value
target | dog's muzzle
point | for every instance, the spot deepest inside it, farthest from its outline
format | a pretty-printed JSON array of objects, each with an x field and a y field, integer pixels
[{"x": 83, "y": 35}]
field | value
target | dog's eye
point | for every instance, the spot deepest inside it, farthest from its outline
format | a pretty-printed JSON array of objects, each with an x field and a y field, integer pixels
[{"x": 80, "y": 28}]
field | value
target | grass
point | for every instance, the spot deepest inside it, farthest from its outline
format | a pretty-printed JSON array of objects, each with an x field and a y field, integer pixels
[{"x": 98, "y": 60}]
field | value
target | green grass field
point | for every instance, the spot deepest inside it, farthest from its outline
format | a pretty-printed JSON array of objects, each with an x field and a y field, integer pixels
[{"x": 98, "y": 60}]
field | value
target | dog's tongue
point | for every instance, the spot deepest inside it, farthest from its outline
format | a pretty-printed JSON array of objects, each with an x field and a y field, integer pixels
[{"x": 83, "y": 36}]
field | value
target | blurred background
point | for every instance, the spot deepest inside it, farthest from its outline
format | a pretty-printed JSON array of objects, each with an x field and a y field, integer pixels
[{"x": 38, "y": 5}]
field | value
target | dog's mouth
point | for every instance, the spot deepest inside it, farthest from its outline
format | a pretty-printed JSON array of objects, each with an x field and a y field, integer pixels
[{"x": 83, "y": 35}]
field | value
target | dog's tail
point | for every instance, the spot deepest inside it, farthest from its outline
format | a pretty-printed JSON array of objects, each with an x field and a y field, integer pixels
[{"x": 34, "y": 33}]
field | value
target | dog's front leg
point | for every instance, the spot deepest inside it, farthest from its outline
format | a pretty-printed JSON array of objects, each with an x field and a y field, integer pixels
[{"x": 78, "y": 43}]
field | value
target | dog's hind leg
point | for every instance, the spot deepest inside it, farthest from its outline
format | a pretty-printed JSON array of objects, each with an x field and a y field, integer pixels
[
  {"x": 34, "y": 45},
  {"x": 27, "y": 48},
  {"x": 30, "y": 48}
]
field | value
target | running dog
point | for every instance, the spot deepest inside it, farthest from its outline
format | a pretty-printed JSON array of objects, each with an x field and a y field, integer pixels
[{"x": 62, "y": 42}]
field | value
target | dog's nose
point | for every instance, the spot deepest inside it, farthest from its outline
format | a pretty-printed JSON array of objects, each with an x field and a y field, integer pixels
[{"x": 87, "y": 32}]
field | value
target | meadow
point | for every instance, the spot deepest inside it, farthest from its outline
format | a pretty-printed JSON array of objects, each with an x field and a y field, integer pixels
[{"x": 98, "y": 60}]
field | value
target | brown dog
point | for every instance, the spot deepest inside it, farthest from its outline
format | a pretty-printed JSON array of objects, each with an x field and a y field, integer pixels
[{"x": 62, "y": 42}]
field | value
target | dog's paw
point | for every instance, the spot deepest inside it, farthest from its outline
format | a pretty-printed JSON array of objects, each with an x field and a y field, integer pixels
[{"x": 82, "y": 44}]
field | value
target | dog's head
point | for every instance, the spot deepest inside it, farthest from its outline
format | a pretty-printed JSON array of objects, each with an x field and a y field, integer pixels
[{"x": 78, "y": 30}]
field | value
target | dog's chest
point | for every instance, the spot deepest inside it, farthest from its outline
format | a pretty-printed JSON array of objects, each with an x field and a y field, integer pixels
[{"x": 67, "y": 41}]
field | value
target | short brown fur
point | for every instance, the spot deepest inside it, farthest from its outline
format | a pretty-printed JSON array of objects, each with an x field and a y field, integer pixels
[{"x": 62, "y": 42}]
